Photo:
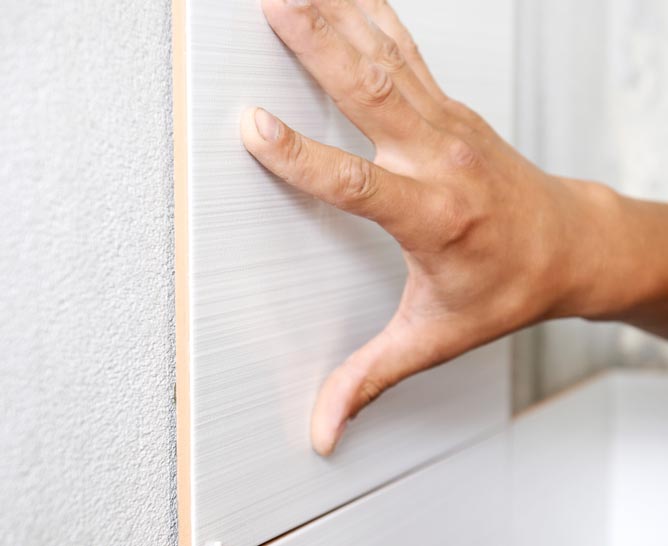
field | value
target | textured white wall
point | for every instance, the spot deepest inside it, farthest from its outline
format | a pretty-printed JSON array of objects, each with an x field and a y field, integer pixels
[{"x": 86, "y": 311}]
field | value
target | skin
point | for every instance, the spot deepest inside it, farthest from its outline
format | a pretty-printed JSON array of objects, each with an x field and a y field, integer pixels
[{"x": 491, "y": 242}]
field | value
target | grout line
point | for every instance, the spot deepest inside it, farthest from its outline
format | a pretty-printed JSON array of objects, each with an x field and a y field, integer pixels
[{"x": 434, "y": 461}]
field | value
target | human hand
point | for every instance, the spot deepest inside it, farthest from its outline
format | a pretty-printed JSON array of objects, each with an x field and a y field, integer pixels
[{"x": 488, "y": 238}]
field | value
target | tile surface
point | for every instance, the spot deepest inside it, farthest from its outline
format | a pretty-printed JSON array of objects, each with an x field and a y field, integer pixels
[{"x": 283, "y": 287}]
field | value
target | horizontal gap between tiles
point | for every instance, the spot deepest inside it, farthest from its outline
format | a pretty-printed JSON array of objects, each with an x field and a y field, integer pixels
[{"x": 433, "y": 461}]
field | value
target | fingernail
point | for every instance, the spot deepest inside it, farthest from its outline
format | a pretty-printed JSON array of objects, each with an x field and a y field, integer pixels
[
  {"x": 267, "y": 125},
  {"x": 298, "y": 3}
]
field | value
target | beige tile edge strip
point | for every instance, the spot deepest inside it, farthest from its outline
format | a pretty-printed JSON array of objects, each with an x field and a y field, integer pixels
[{"x": 180, "y": 136}]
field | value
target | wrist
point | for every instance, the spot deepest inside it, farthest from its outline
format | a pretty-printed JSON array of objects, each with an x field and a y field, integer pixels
[{"x": 614, "y": 268}]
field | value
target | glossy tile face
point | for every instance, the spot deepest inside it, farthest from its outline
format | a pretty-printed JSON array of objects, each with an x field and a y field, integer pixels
[
  {"x": 461, "y": 500},
  {"x": 283, "y": 287},
  {"x": 639, "y": 484},
  {"x": 587, "y": 468},
  {"x": 590, "y": 468},
  {"x": 560, "y": 469}
]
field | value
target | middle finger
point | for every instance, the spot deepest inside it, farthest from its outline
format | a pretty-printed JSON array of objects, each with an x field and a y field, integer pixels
[
  {"x": 367, "y": 37},
  {"x": 362, "y": 90}
]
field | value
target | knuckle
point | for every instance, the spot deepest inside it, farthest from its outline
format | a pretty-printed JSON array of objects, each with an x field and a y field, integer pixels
[
  {"x": 461, "y": 155},
  {"x": 389, "y": 56},
  {"x": 356, "y": 182},
  {"x": 459, "y": 224},
  {"x": 374, "y": 85},
  {"x": 370, "y": 389},
  {"x": 451, "y": 215},
  {"x": 456, "y": 223},
  {"x": 295, "y": 151},
  {"x": 318, "y": 24}
]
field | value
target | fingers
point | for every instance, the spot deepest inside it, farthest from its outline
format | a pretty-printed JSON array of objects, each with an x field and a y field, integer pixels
[
  {"x": 363, "y": 91},
  {"x": 365, "y": 36},
  {"x": 386, "y": 18},
  {"x": 338, "y": 178},
  {"x": 387, "y": 359}
]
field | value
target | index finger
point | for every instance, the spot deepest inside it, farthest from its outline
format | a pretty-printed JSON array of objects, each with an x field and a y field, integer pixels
[{"x": 346, "y": 181}]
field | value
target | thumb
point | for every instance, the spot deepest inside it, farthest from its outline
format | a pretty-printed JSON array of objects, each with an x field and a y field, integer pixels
[{"x": 388, "y": 358}]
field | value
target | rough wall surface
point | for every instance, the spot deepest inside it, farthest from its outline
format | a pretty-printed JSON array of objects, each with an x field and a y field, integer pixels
[{"x": 86, "y": 313}]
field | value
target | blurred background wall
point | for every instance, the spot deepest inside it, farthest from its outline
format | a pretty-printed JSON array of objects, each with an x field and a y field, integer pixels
[
  {"x": 86, "y": 329},
  {"x": 592, "y": 103}
]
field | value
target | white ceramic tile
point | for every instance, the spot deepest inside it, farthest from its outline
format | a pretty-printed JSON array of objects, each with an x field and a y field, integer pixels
[
  {"x": 587, "y": 468},
  {"x": 560, "y": 469},
  {"x": 462, "y": 500},
  {"x": 590, "y": 468},
  {"x": 283, "y": 287},
  {"x": 639, "y": 487}
]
